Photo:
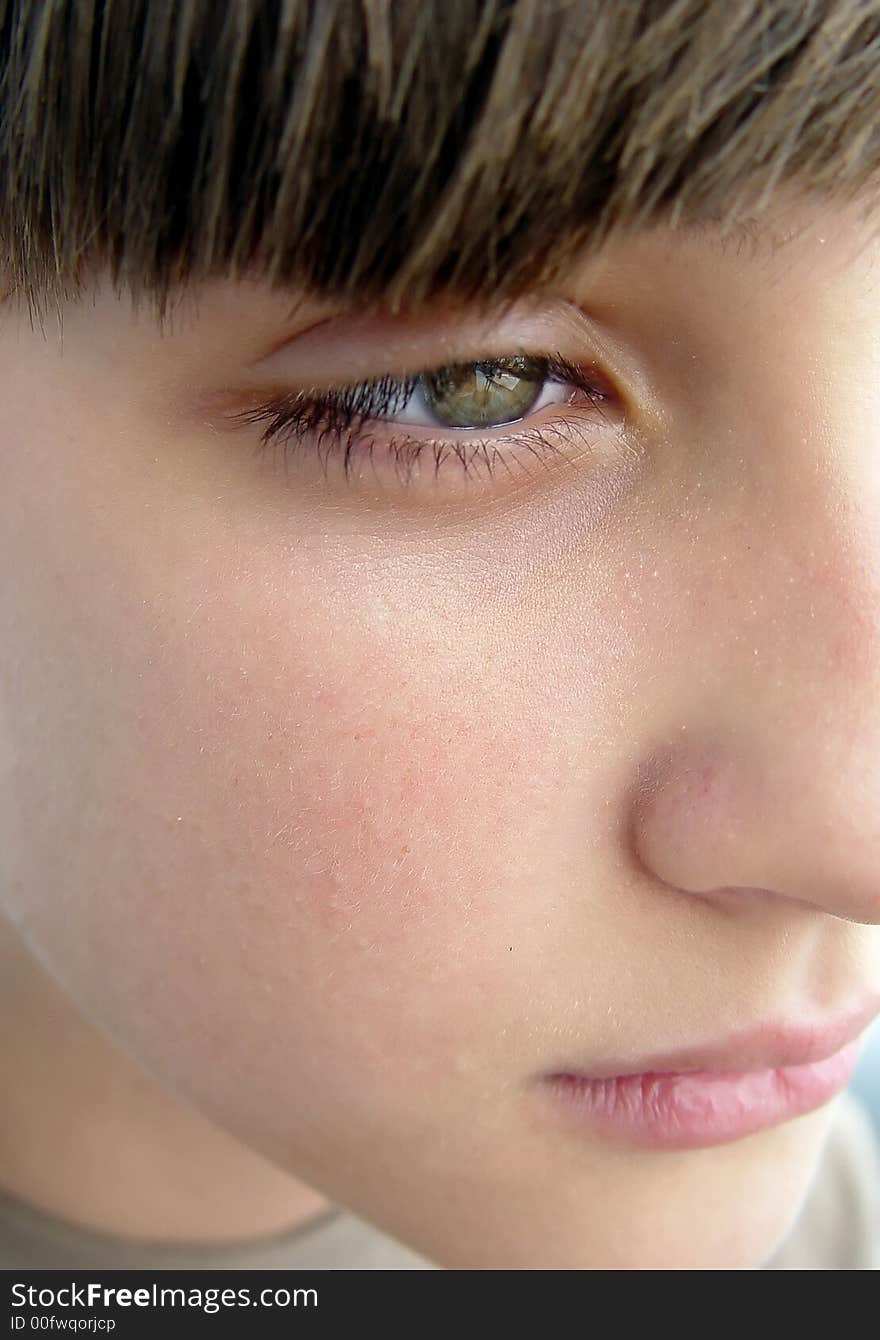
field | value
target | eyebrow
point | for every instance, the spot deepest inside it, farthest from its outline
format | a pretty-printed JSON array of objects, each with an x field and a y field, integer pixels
[{"x": 756, "y": 234}]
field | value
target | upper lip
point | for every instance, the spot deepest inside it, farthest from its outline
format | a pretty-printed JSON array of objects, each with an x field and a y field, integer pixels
[{"x": 770, "y": 1046}]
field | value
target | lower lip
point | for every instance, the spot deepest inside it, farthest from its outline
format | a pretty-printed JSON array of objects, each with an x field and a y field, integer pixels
[{"x": 702, "y": 1108}]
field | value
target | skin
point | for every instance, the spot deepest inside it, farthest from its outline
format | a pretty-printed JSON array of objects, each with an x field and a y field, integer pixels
[{"x": 331, "y": 817}]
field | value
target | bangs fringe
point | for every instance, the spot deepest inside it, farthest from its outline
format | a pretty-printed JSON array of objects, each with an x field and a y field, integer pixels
[{"x": 390, "y": 150}]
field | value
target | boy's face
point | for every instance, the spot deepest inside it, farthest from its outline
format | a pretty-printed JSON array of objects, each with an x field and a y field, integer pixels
[{"x": 353, "y": 808}]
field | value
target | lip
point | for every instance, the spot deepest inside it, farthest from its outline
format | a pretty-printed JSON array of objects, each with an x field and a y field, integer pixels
[{"x": 711, "y": 1095}]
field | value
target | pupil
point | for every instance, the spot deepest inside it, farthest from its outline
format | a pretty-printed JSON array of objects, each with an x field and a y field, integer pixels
[{"x": 484, "y": 395}]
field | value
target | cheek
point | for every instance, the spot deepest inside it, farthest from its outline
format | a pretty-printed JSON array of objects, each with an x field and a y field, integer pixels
[
  {"x": 377, "y": 800},
  {"x": 277, "y": 857}
]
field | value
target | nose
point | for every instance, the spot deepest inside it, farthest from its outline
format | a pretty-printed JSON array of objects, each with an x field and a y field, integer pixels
[
  {"x": 764, "y": 783},
  {"x": 739, "y": 827}
]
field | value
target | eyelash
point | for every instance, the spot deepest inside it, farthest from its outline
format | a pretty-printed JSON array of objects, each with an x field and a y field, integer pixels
[{"x": 335, "y": 419}]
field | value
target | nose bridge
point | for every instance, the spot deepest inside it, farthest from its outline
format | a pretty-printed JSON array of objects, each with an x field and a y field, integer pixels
[{"x": 775, "y": 783}]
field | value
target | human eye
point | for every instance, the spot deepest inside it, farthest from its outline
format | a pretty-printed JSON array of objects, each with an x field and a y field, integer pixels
[{"x": 459, "y": 424}]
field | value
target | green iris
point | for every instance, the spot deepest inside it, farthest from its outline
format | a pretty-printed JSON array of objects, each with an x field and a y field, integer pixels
[{"x": 486, "y": 394}]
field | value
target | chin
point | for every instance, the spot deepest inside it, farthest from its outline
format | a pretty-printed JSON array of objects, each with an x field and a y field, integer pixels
[{"x": 729, "y": 1207}]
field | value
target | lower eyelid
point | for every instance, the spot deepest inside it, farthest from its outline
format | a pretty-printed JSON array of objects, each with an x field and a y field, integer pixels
[{"x": 471, "y": 465}]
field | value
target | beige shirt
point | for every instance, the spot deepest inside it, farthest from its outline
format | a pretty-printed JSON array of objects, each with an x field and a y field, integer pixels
[{"x": 837, "y": 1228}]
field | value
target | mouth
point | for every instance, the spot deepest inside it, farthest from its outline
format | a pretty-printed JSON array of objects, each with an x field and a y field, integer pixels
[{"x": 711, "y": 1095}]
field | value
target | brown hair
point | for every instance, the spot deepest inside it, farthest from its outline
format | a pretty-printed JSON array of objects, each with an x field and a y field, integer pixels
[{"x": 397, "y": 148}]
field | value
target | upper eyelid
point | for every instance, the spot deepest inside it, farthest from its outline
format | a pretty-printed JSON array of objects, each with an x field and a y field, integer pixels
[
  {"x": 421, "y": 342},
  {"x": 452, "y": 336}
]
